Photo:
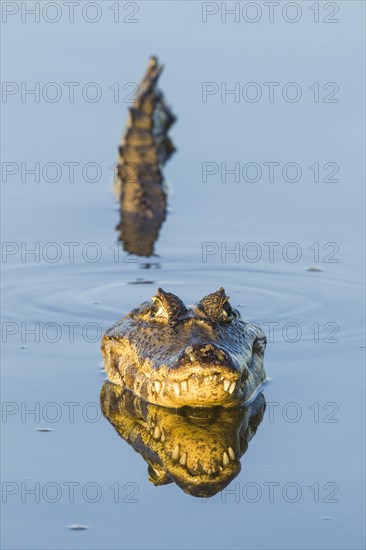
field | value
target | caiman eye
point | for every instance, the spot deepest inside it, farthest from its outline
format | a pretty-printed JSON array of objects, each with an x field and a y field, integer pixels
[
  {"x": 227, "y": 309},
  {"x": 216, "y": 306},
  {"x": 168, "y": 306},
  {"x": 157, "y": 309}
]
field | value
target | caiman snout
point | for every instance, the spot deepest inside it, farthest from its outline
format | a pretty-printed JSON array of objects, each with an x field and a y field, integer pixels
[
  {"x": 207, "y": 360},
  {"x": 206, "y": 372}
]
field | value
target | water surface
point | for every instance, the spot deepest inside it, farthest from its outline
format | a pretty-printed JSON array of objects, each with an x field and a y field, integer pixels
[{"x": 301, "y": 480}]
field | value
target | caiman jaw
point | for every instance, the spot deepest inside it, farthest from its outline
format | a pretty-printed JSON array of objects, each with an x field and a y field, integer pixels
[
  {"x": 195, "y": 390},
  {"x": 203, "y": 376}
]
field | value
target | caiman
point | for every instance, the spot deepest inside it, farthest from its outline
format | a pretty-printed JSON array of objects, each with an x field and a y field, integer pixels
[
  {"x": 198, "y": 449},
  {"x": 145, "y": 147},
  {"x": 173, "y": 355}
]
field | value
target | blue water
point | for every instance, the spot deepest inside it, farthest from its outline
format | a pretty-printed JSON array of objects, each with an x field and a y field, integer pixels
[{"x": 310, "y": 445}]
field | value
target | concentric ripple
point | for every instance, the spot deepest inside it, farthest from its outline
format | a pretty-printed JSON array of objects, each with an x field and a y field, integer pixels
[{"x": 104, "y": 293}]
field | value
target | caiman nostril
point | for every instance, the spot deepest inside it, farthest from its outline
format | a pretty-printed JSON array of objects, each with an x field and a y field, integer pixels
[{"x": 206, "y": 353}]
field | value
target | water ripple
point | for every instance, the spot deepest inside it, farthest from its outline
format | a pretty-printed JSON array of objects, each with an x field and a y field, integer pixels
[{"x": 103, "y": 293}]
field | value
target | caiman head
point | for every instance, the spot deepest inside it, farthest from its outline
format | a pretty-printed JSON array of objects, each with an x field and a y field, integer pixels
[
  {"x": 198, "y": 449},
  {"x": 174, "y": 356}
]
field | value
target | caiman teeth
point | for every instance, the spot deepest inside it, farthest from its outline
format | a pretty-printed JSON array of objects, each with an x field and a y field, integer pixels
[
  {"x": 229, "y": 386},
  {"x": 179, "y": 387},
  {"x": 159, "y": 386},
  {"x": 175, "y": 453},
  {"x": 183, "y": 459}
]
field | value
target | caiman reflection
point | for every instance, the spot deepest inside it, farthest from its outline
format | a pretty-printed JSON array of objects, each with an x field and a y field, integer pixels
[
  {"x": 145, "y": 147},
  {"x": 198, "y": 449}
]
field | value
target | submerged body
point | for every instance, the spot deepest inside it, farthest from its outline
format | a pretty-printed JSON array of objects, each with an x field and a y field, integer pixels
[{"x": 175, "y": 356}]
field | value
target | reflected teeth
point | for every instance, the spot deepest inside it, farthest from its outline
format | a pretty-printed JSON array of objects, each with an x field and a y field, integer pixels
[
  {"x": 227, "y": 456},
  {"x": 175, "y": 453},
  {"x": 157, "y": 433},
  {"x": 230, "y": 450},
  {"x": 184, "y": 385}
]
